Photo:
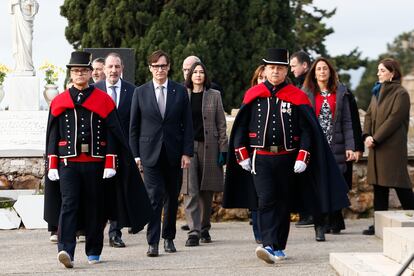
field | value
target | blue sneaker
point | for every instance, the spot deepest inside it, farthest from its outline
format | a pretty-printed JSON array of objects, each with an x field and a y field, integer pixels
[
  {"x": 266, "y": 254},
  {"x": 93, "y": 259},
  {"x": 279, "y": 254}
]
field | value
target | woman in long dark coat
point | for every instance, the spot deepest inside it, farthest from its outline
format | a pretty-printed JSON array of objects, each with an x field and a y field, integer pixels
[
  {"x": 385, "y": 136},
  {"x": 331, "y": 105},
  {"x": 205, "y": 175}
]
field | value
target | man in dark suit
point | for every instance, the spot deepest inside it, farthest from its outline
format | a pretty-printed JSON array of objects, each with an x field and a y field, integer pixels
[
  {"x": 161, "y": 140},
  {"x": 121, "y": 92}
]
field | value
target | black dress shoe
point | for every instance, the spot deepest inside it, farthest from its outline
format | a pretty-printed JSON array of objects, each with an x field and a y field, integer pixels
[
  {"x": 335, "y": 231},
  {"x": 205, "y": 237},
  {"x": 169, "y": 246},
  {"x": 192, "y": 240},
  {"x": 370, "y": 231},
  {"x": 319, "y": 233},
  {"x": 116, "y": 242},
  {"x": 185, "y": 227},
  {"x": 306, "y": 221},
  {"x": 152, "y": 250}
]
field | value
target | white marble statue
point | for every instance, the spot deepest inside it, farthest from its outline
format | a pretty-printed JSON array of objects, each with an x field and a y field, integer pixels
[{"x": 23, "y": 13}]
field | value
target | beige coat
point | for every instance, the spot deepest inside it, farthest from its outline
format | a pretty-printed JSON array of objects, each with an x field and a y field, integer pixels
[
  {"x": 387, "y": 121},
  {"x": 215, "y": 141}
]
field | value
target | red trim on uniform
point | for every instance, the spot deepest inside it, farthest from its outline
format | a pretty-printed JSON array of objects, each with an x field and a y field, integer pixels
[
  {"x": 53, "y": 161},
  {"x": 98, "y": 102},
  {"x": 289, "y": 93},
  {"x": 241, "y": 154},
  {"x": 110, "y": 161},
  {"x": 304, "y": 156},
  {"x": 105, "y": 106},
  {"x": 63, "y": 143},
  {"x": 252, "y": 134},
  {"x": 83, "y": 157},
  {"x": 60, "y": 103},
  {"x": 265, "y": 152}
]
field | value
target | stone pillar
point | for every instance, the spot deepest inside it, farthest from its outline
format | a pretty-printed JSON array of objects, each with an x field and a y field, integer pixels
[{"x": 23, "y": 93}]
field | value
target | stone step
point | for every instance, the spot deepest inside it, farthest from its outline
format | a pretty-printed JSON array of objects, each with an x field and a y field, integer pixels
[
  {"x": 399, "y": 218},
  {"x": 365, "y": 264},
  {"x": 398, "y": 243}
]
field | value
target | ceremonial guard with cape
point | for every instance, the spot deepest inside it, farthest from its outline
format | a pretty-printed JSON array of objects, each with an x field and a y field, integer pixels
[
  {"x": 85, "y": 144},
  {"x": 276, "y": 136}
]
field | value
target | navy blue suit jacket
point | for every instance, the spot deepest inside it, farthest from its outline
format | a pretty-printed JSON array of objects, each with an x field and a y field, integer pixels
[
  {"x": 149, "y": 131},
  {"x": 124, "y": 107}
]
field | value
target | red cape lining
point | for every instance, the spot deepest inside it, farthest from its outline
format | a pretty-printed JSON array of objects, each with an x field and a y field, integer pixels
[
  {"x": 64, "y": 101},
  {"x": 289, "y": 93}
]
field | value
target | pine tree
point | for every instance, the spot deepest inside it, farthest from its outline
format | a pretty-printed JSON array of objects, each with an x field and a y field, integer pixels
[{"x": 229, "y": 36}]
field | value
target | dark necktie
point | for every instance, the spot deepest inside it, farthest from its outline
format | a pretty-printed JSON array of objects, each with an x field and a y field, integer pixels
[{"x": 113, "y": 95}]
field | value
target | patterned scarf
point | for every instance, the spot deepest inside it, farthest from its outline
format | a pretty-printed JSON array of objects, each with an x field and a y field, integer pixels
[{"x": 325, "y": 117}]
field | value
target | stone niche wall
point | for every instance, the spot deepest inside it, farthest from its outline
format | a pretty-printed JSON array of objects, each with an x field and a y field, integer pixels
[
  {"x": 21, "y": 173},
  {"x": 28, "y": 173}
]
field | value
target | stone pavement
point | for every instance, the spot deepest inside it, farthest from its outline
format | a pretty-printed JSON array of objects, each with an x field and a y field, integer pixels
[{"x": 29, "y": 252}]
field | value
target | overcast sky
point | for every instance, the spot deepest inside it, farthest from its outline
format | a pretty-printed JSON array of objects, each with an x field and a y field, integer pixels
[{"x": 366, "y": 24}]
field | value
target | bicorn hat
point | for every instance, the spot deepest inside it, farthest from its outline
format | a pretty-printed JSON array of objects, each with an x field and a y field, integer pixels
[
  {"x": 80, "y": 59},
  {"x": 276, "y": 56}
]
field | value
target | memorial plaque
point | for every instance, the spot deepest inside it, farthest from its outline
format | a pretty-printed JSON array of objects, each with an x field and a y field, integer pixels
[
  {"x": 22, "y": 133},
  {"x": 127, "y": 55}
]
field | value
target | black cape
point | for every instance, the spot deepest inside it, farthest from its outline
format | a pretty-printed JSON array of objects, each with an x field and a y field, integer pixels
[
  {"x": 125, "y": 194},
  {"x": 322, "y": 183}
]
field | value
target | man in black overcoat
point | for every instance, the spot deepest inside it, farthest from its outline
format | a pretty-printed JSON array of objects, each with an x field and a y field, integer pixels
[{"x": 121, "y": 91}]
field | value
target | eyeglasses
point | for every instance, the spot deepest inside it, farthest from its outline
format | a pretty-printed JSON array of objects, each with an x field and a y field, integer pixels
[
  {"x": 79, "y": 71},
  {"x": 159, "y": 66}
]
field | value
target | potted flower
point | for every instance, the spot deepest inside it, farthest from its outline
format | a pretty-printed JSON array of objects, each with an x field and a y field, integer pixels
[
  {"x": 51, "y": 78},
  {"x": 3, "y": 73}
]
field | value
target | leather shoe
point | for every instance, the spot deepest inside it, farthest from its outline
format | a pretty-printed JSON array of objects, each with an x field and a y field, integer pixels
[
  {"x": 116, "y": 242},
  {"x": 205, "y": 237},
  {"x": 370, "y": 231},
  {"x": 169, "y": 246},
  {"x": 192, "y": 240},
  {"x": 319, "y": 233},
  {"x": 306, "y": 221},
  {"x": 185, "y": 227},
  {"x": 152, "y": 250}
]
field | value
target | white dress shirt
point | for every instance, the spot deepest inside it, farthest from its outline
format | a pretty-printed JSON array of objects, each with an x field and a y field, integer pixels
[{"x": 117, "y": 89}]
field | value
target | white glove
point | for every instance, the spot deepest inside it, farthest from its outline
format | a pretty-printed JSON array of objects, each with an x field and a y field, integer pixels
[
  {"x": 108, "y": 173},
  {"x": 299, "y": 167},
  {"x": 246, "y": 164},
  {"x": 53, "y": 174}
]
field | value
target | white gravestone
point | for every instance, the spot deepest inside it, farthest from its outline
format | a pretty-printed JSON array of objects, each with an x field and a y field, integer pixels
[
  {"x": 30, "y": 209},
  {"x": 9, "y": 219},
  {"x": 23, "y": 133}
]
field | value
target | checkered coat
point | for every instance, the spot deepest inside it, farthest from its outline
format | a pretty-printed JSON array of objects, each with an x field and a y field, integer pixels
[{"x": 215, "y": 141}]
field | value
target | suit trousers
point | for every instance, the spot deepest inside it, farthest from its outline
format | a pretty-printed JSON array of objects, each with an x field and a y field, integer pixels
[
  {"x": 114, "y": 229},
  {"x": 81, "y": 183},
  {"x": 162, "y": 182},
  {"x": 272, "y": 180},
  {"x": 198, "y": 203}
]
